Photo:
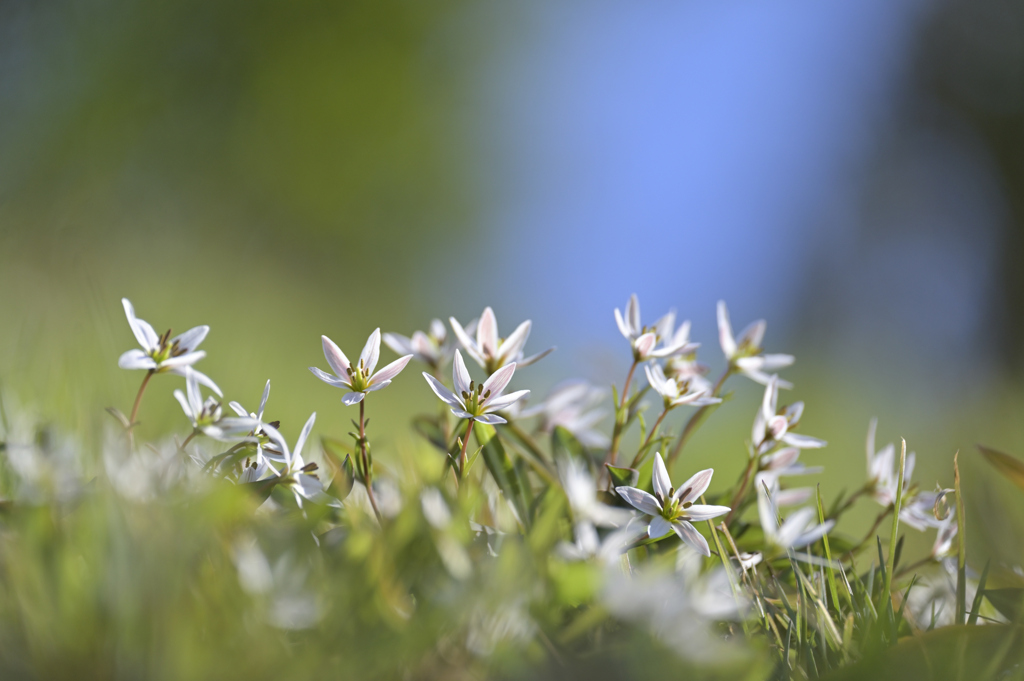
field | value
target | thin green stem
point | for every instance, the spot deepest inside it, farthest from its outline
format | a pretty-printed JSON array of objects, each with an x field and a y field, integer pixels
[
  {"x": 895, "y": 527},
  {"x": 465, "y": 444},
  {"x": 135, "y": 407},
  {"x": 691, "y": 425},
  {"x": 744, "y": 483},
  {"x": 367, "y": 474},
  {"x": 191, "y": 435},
  {"x": 640, "y": 455},
  {"x": 620, "y": 416}
]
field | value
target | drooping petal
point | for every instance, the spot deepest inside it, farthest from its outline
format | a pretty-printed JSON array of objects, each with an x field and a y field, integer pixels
[
  {"x": 725, "y": 337},
  {"x": 348, "y": 399},
  {"x": 330, "y": 379},
  {"x": 371, "y": 352},
  {"x": 202, "y": 378},
  {"x": 705, "y": 512},
  {"x": 446, "y": 395},
  {"x": 487, "y": 333},
  {"x": 659, "y": 478},
  {"x": 513, "y": 345},
  {"x": 490, "y": 419},
  {"x": 499, "y": 380},
  {"x": 504, "y": 401},
  {"x": 283, "y": 453},
  {"x": 195, "y": 398},
  {"x": 468, "y": 344},
  {"x": 183, "y": 360},
  {"x": 658, "y": 527},
  {"x": 794, "y": 526},
  {"x": 782, "y": 459},
  {"x": 693, "y": 488},
  {"x": 390, "y": 371},
  {"x": 640, "y": 500},
  {"x": 238, "y": 408},
  {"x": 402, "y": 345},
  {"x": 335, "y": 357},
  {"x": 689, "y": 534},
  {"x": 185, "y": 406},
  {"x": 136, "y": 359},
  {"x": 803, "y": 441},
  {"x": 656, "y": 377},
  {"x": 191, "y": 339},
  {"x": 460, "y": 374},
  {"x": 303, "y": 435},
  {"x": 144, "y": 333}
]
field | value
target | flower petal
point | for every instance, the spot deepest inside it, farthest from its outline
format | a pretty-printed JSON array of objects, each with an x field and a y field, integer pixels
[
  {"x": 504, "y": 401},
  {"x": 535, "y": 358},
  {"x": 813, "y": 534},
  {"x": 237, "y": 408},
  {"x": 803, "y": 441},
  {"x": 640, "y": 500},
  {"x": 202, "y": 378},
  {"x": 643, "y": 345},
  {"x": 468, "y": 344},
  {"x": 705, "y": 512},
  {"x": 693, "y": 488},
  {"x": 794, "y": 527},
  {"x": 753, "y": 334},
  {"x": 776, "y": 362},
  {"x": 490, "y": 419},
  {"x": 513, "y": 345},
  {"x": 633, "y": 314},
  {"x": 329, "y": 379},
  {"x": 689, "y": 534},
  {"x": 659, "y": 478},
  {"x": 185, "y": 406},
  {"x": 195, "y": 398},
  {"x": 183, "y": 360},
  {"x": 623, "y": 326},
  {"x": 303, "y": 435},
  {"x": 499, "y": 380},
  {"x": 136, "y": 359},
  {"x": 335, "y": 357},
  {"x": 263, "y": 400},
  {"x": 371, "y": 352},
  {"x": 377, "y": 386},
  {"x": 460, "y": 374},
  {"x": 402, "y": 345},
  {"x": 144, "y": 333},
  {"x": 348, "y": 399},
  {"x": 725, "y": 337},
  {"x": 390, "y": 371},
  {"x": 446, "y": 395},
  {"x": 658, "y": 527},
  {"x": 191, "y": 339},
  {"x": 487, "y": 333}
]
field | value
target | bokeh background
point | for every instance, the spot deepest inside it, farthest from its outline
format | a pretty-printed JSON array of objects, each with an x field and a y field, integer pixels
[{"x": 852, "y": 171}]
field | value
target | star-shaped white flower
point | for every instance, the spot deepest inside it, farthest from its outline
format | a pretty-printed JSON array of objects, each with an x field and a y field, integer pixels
[
  {"x": 360, "y": 378},
  {"x": 161, "y": 354},
  {"x": 207, "y": 417},
  {"x": 744, "y": 351},
  {"x": 477, "y": 401},
  {"x": 796, "y": 531},
  {"x": 884, "y": 470},
  {"x": 644, "y": 340},
  {"x": 298, "y": 475},
  {"x": 772, "y": 426},
  {"x": 489, "y": 350},
  {"x": 695, "y": 391},
  {"x": 430, "y": 348},
  {"x": 673, "y": 510},
  {"x": 573, "y": 406}
]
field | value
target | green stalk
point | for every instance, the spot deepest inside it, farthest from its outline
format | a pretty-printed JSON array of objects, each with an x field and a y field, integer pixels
[
  {"x": 961, "y": 557},
  {"x": 891, "y": 563},
  {"x": 828, "y": 555}
]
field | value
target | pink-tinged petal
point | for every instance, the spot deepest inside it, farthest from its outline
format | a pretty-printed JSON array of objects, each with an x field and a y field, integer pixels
[
  {"x": 640, "y": 500},
  {"x": 499, "y": 380},
  {"x": 459, "y": 413},
  {"x": 487, "y": 333},
  {"x": 535, "y": 358},
  {"x": 623, "y": 326},
  {"x": 377, "y": 386},
  {"x": 263, "y": 400},
  {"x": 136, "y": 359},
  {"x": 794, "y": 526},
  {"x": 504, "y": 401},
  {"x": 237, "y": 408},
  {"x": 689, "y": 534},
  {"x": 371, "y": 352},
  {"x": 191, "y": 339},
  {"x": 803, "y": 441},
  {"x": 658, "y": 527},
  {"x": 460, "y": 374},
  {"x": 490, "y": 419},
  {"x": 446, "y": 395},
  {"x": 348, "y": 399},
  {"x": 793, "y": 497},
  {"x": 793, "y": 413},
  {"x": 468, "y": 344},
  {"x": 659, "y": 478},
  {"x": 390, "y": 371},
  {"x": 401, "y": 345},
  {"x": 185, "y": 360},
  {"x": 705, "y": 512},
  {"x": 633, "y": 313},
  {"x": 335, "y": 357},
  {"x": 144, "y": 333},
  {"x": 437, "y": 330},
  {"x": 692, "y": 489},
  {"x": 303, "y": 435},
  {"x": 329, "y": 379},
  {"x": 725, "y": 337},
  {"x": 784, "y": 458},
  {"x": 513, "y": 345},
  {"x": 644, "y": 344},
  {"x": 185, "y": 406},
  {"x": 202, "y": 379},
  {"x": 776, "y": 362},
  {"x": 753, "y": 334}
]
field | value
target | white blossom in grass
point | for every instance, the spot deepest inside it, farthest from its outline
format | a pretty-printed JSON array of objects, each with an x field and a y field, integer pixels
[
  {"x": 796, "y": 531},
  {"x": 784, "y": 463},
  {"x": 644, "y": 340},
  {"x": 207, "y": 416},
  {"x": 571, "y": 405},
  {"x": 263, "y": 444},
  {"x": 743, "y": 352},
  {"x": 673, "y": 510},
  {"x": 477, "y": 401},
  {"x": 581, "y": 491},
  {"x": 359, "y": 378},
  {"x": 298, "y": 475},
  {"x": 429, "y": 347},
  {"x": 884, "y": 470},
  {"x": 161, "y": 354},
  {"x": 695, "y": 391},
  {"x": 489, "y": 350},
  {"x": 772, "y": 426}
]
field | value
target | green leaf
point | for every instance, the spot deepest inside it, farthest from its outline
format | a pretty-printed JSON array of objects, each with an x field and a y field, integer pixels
[
  {"x": 564, "y": 445},
  {"x": 1007, "y": 601},
  {"x": 502, "y": 470},
  {"x": 623, "y": 477},
  {"x": 1011, "y": 467},
  {"x": 340, "y": 468}
]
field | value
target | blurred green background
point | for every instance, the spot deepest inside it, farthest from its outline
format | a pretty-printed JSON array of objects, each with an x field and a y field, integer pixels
[{"x": 281, "y": 171}]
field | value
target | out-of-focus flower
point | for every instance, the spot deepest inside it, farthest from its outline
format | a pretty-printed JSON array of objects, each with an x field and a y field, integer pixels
[
  {"x": 429, "y": 348},
  {"x": 477, "y": 401},
  {"x": 695, "y": 391},
  {"x": 571, "y": 405},
  {"x": 581, "y": 491},
  {"x": 161, "y": 354},
  {"x": 588, "y": 544},
  {"x": 772, "y": 426},
  {"x": 795, "y": 532},
  {"x": 784, "y": 463},
  {"x": 207, "y": 417},
  {"x": 672, "y": 510},
  {"x": 645, "y": 340},
  {"x": 744, "y": 351},
  {"x": 263, "y": 446},
  {"x": 489, "y": 350},
  {"x": 884, "y": 469},
  {"x": 298, "y": 475},
  {"x": 685, "y": 367},
  {"x": 359, "y": 379}
]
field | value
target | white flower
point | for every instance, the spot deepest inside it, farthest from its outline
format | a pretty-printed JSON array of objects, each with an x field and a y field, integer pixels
[
  {"x": 297, "y": 474},
  {"x": 695, "y": 391},
  {"x": 672, "y": 510},
  {"x": 588, "y": 545},
  {"x": 477, "y": 401},
  {"x": 772, "y": 426},
  {"x": 161, "y": 354},
  {"x": 207, "y": 417},
  {"x": 489, "y": 350},
  {"x": 429, "y": 348},
  {"x": 884, "y": 472},
  {"x": 943, "y": 545},
  {"x": 263, "y": 446},
  {"x": 571, "y": 405},
  {"x": 581, "y": 492},
  {"x": 644, "y": 340},
  {"x": 795, "y": 532},
  {"x": 360, "y": 379},
  {"x": 784, "y": 463},
  {"x": 744, "y": 352}
]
